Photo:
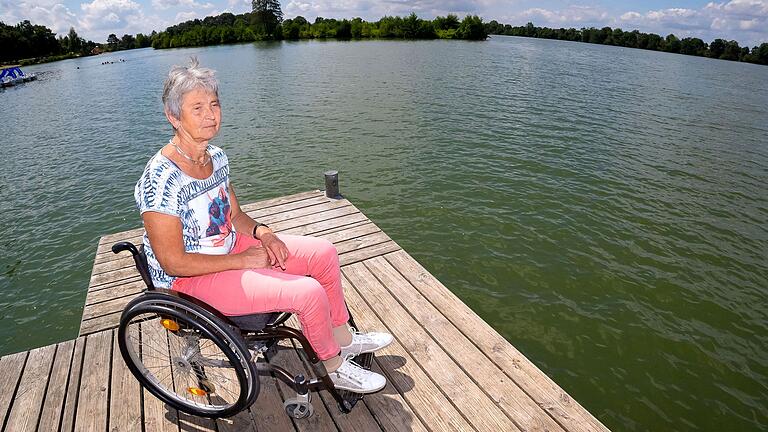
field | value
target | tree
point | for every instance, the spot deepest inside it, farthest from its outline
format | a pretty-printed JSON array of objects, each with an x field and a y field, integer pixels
[
  {"x": 450, "y": 22},
  {"x": 717, "y": 48},
  {"x": 127, "y": 42},
  {"x": 75, "y": 44},
  {"x": 471, "y": 28},
  {"x": 732, "y": 51},
  {"x": 113, "y": 41},
  {"x": 266, "y": 15},
  {"x": 672, "y": 44}
]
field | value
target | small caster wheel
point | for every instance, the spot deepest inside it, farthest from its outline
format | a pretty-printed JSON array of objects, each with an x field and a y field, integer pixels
[{"x": 298, "y": 409}]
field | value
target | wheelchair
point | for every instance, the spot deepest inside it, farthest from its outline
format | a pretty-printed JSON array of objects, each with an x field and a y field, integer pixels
[{"x": 195, "y": 359}]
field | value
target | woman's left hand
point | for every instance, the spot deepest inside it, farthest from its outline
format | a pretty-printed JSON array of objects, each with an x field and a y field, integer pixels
[{"x": 276, "y": 249}]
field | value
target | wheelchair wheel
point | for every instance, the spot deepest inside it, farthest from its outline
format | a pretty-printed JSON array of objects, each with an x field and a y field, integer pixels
[{"x": 186, "y": 356}]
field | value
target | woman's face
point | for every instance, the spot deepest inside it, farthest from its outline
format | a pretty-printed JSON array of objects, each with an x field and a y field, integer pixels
[{"x": 200, "y": 115}]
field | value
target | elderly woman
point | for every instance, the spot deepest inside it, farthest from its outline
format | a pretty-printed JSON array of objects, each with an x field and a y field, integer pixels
[{"x": 198, "y": 241}]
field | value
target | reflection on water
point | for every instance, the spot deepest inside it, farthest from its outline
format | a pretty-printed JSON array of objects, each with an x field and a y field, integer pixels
[{"x": 603, "y": 208}]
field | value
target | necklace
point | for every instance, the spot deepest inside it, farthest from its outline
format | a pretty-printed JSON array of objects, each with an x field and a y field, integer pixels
[{"x": 183, "y": 153}]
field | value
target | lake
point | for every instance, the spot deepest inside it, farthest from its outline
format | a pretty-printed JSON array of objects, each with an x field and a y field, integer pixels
[{"x": 604, "y": 208}]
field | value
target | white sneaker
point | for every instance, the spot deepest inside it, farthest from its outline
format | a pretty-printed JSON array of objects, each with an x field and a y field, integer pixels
[
  {"x": 350, "y": 376},
  {"x": 365, "y": 343}
]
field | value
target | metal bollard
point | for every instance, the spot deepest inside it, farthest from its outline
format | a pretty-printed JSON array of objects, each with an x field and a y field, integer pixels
[{"x": 332, "y": 184}]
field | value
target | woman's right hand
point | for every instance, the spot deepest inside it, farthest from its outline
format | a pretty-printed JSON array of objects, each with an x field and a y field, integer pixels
[{"x": 255, "y": 257}]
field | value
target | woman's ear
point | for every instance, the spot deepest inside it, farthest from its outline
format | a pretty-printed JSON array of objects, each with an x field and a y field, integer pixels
[{"x": 175, "y": 123}]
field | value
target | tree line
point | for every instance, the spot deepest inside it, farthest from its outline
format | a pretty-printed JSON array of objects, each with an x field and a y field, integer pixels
[
  {"x": 27, "y": 43},
  {"x": 252, "y": 26},
  {"x": 718, "y": 48}
]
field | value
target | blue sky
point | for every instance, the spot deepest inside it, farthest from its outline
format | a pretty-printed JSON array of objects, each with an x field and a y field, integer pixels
[{"x": 743, "y": 20}]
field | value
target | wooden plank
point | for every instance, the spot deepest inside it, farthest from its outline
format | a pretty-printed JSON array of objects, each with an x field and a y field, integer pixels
[
  {"x": 92, "y": 403},
  {"x": 358, "y": 243},
  {"x": 157, "y": 415},
  {"x": 121, "y": 261},
  {"x": 314, "y": 218},
  {"x": 321, "y": 420},
  {"x": 467, "y": 396},
  {"x": 340, "y": 227},
  {"x": 349, "y": 233},
  {"x": 115, "y": 283},
  {"x": 310, "y": 213},
  {"x": 73, "y": 386},
  {"x": 281, "y": 200},
  {"x": 389, "y": 407},
  {"x": 110, "y": 239},
  {"x": 125, "y": 392},
  {"x": 104, "y": 250},
  {"x": 258, "y": 214},
  {"x": 28, "y": 401},
  {"x": 526, "y": 414},
  {"x": 50, "y": 417},
  {"x": 107, "y": 307},
  {"x": 100, "y": 323},
  {"x": 267, "y": 412},
  {"x": 542, "y": 389},
  {"x": 424, "y": 400},
  {"x": 12, "y": 365},
  {"x": 123, "y": 275},
  {"x": 367, "y": 252},
  {"x": 129, "y": 289}
]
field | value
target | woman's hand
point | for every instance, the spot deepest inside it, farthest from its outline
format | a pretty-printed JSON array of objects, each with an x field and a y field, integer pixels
[
  {"x": 277, "y": 250},
  {"x": 255, "y": 257}
]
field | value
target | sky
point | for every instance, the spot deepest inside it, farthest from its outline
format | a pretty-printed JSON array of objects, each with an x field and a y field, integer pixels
[{"x": 743, "y": 20}]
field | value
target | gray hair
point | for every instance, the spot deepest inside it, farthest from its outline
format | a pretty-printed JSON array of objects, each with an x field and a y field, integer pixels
[{"x": 183, "y": 79}]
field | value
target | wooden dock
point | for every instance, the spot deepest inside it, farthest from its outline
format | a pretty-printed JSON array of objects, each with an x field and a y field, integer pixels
[{"x": 446, "y": 370}]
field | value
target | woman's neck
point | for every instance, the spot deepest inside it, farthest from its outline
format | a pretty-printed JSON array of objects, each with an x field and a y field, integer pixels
[{"x": 193, "y": 149}]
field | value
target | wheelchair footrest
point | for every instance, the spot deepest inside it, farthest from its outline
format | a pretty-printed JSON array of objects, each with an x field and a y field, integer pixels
[{"x": 351, "y": 398}]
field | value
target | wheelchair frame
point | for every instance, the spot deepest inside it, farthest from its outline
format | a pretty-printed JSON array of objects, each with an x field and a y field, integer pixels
[{"x": 242, "y": 354}]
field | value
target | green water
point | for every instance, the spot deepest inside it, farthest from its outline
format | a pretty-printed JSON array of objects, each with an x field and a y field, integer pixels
[{"x": 605, "y": 209}]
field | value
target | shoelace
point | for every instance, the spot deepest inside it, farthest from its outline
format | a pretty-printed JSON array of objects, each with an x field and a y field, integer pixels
[{"x": 356, "y": 372}]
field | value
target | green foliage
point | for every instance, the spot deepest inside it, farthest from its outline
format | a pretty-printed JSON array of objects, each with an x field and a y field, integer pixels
[
  {"x": 471, "y": 28},
  {"x": 27, "y": 40},
  {"x": 266, "y": 17},
  {"x": 719, "y": 48},
  {"x": 241, "y": 28}
]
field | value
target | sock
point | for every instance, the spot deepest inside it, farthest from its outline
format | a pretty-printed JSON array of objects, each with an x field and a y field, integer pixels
[
  {"x": 342, "y": 335},
  {"x": 332, "y": 363}
]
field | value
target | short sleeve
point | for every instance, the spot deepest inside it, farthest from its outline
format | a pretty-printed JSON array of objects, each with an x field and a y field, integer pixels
[{"x": 158, "y": 189}]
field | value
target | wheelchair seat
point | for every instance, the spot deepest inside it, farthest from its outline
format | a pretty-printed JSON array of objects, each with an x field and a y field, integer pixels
[{"x": 253, "y": 322}]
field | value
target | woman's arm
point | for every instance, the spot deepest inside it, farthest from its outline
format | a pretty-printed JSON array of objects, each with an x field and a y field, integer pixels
[
  {"x": 164, "y": 232},
  {"x": 244, "y": 224}
]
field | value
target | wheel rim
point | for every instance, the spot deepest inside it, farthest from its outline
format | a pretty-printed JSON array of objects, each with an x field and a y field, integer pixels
[{"x": 180, "y": 361}]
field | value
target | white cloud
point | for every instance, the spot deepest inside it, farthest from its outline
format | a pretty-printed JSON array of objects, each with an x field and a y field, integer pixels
[
  {"x": 51, "y": 14},
  {"x": 165, "y": 4},
  {"x": 571, "y": 16},
  {"x": 743, "y": 20},
  {"x": 186, "y": 16},
  {"x": 101, "y": 17}
]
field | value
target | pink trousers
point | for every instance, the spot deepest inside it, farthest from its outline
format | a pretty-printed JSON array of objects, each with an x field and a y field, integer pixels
[{"x": 310, "y": 287}]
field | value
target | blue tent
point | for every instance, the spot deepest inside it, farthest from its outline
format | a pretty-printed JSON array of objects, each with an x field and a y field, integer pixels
[{"x": 12, "y": 72}]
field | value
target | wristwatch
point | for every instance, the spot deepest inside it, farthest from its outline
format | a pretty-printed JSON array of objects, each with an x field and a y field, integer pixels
[{"x": 258, "y": 224}]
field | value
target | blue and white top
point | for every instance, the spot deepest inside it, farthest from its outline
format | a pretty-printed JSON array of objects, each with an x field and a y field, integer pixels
[{"x": 202, "y": 205}]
